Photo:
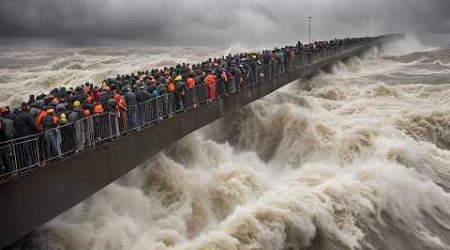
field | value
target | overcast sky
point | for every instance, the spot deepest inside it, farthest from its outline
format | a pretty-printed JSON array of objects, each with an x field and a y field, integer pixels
[{"x": 210, "y": 22}]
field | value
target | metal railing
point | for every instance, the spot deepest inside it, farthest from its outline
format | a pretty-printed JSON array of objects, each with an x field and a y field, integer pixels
[{"x": 21, "y": 155}]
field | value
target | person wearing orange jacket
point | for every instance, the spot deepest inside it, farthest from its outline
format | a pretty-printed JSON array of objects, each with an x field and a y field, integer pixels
[
  {"x": 39, "y": 118},
  {"x": 189, "y": 91},
  {"x": 210, "y": 81},
  {"x": 190, "y": 82},
  {"x": 122, "y": 108},
  {"x": 97, "y": 119},
  {"x": 98, "y": 108},
  {"x": 170, "y": 86},
  {"x": 121, "y": 105}
]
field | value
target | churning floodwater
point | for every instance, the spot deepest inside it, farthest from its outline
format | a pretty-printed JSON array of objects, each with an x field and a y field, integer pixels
[{"x": 354, "y": 158}]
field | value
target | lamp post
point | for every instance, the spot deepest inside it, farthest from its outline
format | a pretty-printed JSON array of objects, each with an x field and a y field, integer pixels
[
  {"x": 362, "y": 28},
  {"x": 309, "y": 28},
  {"x": 368, "y": 26}
]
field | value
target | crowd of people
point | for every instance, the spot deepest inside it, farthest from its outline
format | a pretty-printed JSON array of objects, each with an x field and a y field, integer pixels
[{"x": 43, "y": 114}]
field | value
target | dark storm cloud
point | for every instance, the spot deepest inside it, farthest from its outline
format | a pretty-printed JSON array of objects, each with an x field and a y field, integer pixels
[
  {"x": 208, "y": 22},
  {"x": 76, "y": 20}
]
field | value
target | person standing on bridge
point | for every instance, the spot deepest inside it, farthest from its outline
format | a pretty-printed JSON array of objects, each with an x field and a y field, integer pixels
[
  {"x": 122, "y": 111},
  {"x": 190, "y": 91},
  {"x": 190, "y": 82},
  {"x": 25, "y": 127},
  {"x": 179, "y": 94},
  {"x": 210, "y": 81},
  {"x": 131, "y": 102},
  {"x": 51, "y": 134},
  {"x": 5, "y": 166},
  {"x": 282, "y": 60},
  {"x": 75, "y": 116},
  {"x": 237, "y": 75},
  {"x": 7, "y": 132}
]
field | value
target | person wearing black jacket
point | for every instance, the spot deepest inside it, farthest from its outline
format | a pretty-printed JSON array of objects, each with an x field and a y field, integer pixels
[
  {"x": 24, "y": 123},
  {"x": 25, "y": 127},
  {"x": 4, "y": 166},
  {"x": 7, "y": 132}
]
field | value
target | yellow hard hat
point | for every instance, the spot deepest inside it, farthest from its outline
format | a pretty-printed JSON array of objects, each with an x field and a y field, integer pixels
[{"x": 76, "y": 104}]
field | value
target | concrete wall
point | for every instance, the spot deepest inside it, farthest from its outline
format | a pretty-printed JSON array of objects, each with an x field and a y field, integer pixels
[{"x": 34, "y": 199}]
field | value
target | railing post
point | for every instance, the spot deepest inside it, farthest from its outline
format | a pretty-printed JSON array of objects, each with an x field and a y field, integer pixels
[
  {"x": 110, "y": 133},
  {"x": 116, "y": 121},
  {"x": 13, "y": 148},
  {"x": 195, "y": 96},
  {"x": 270, "y": 70},
  {"x": 37, "y": 150}
]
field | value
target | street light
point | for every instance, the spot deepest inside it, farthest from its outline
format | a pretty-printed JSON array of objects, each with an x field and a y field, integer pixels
[
  {"x": 368, "y": 26},
  {"x": 309, "y": 26},
  {"x": 362, "y": 28}
]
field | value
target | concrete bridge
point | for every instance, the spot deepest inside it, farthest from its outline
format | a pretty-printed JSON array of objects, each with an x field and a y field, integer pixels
[{"x": 31, "y": 200}]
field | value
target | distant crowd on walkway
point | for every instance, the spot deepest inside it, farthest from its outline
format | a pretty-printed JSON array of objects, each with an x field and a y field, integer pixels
[{"x": 42, "y": 114}]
